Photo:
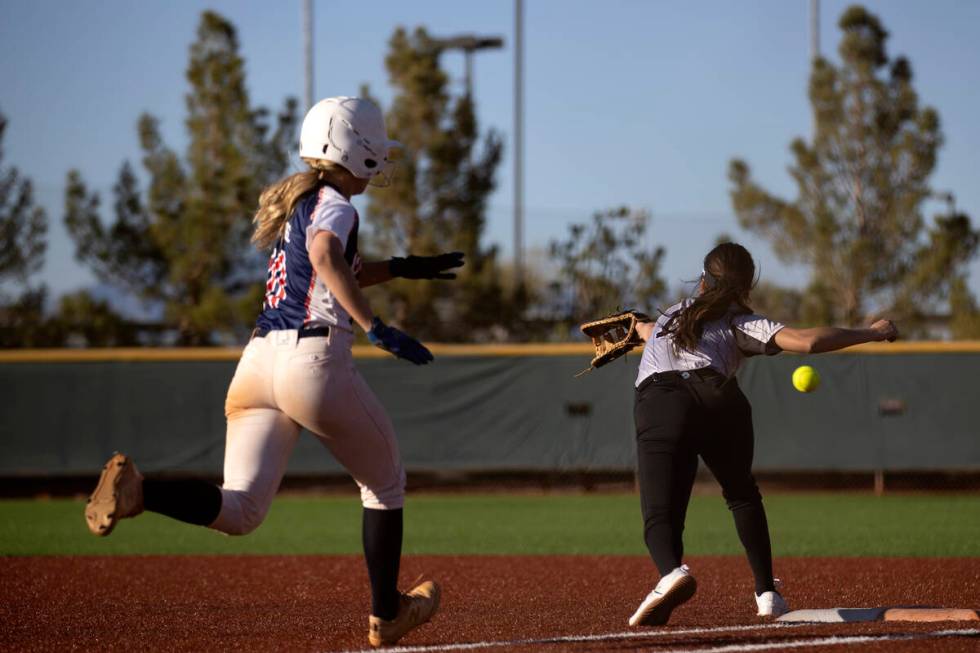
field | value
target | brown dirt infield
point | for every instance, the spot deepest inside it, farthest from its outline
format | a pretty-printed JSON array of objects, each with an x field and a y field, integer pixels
[{"x": 320, "y": 603}]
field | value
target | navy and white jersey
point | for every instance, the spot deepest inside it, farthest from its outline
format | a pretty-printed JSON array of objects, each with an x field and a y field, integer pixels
[
  {"x": 294, "y": 297},
  {"x": 724, "y": 344}
]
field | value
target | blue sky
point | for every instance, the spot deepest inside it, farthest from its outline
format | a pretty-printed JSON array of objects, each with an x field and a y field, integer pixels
[{"x": 627, "y": 102}]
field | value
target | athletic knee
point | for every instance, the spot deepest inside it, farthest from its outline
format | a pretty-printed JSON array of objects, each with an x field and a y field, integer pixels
[
  {"x": 382, "y": 500},
  {"x": 742, "y": 496},
  {"x": 253, "y": 514},
  {"x": 385, "y": 496},
  {"x": 241, "y": 513}
]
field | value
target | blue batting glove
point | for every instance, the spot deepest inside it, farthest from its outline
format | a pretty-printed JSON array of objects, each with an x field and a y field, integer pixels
[{"x": 398, "y": 343}]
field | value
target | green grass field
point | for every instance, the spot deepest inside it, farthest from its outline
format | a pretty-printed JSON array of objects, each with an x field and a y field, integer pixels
[{"x": 832, "y": 524}]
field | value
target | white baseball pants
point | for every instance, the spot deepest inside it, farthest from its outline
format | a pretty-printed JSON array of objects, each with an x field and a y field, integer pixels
[{"x": 283, "y": 383}]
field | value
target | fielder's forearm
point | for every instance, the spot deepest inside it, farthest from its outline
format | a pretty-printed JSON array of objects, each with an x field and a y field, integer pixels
[
  {"x": 645, "y": 329},
  {"x": 822, "y": 339},
  {"x": 374, "y": 272},
  {"x": 833, "y": 338},
  {"x": 327, "y": 258}
]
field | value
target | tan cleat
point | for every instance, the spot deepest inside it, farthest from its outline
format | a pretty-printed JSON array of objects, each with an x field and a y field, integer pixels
[
  {"x": 414, "y": 609},
  {"x": 119, "y": 494}
]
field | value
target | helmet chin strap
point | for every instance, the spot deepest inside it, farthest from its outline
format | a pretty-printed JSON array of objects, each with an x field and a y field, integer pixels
[{"x": 385, "y": 176}]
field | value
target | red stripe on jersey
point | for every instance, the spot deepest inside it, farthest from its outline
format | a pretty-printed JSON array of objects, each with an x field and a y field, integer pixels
[{"x": 321, "y": 197}]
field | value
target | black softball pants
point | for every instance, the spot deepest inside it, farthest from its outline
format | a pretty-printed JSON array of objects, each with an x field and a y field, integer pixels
[{"x": 677, "y": 420}]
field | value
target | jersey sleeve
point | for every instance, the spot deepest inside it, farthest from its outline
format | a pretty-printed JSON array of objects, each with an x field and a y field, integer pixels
[
  {"x": 335, "y": 217},
  {"x": 755, "y": 334}
]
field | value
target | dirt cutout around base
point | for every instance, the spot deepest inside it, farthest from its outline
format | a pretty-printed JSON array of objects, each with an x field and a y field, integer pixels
[
  {"x": 321, "y": 603},
  {"x": 931, "y": 614}
]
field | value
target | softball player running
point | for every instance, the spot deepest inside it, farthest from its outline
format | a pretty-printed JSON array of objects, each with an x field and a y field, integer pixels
[
  {"x": 297, "y": 371},
  {"x": 688, "y": 404}
]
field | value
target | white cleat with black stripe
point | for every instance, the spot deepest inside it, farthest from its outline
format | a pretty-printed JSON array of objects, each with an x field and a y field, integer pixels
[{"x": 673, "y": 590}]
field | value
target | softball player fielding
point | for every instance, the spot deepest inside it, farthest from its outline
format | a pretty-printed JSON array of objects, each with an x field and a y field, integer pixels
[
  {"x": 297, "y": 370},
  {"x": 688, "y": 404}
]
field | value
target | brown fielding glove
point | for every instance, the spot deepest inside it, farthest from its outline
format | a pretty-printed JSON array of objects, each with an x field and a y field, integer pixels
[{"x": 613, "y": 336}]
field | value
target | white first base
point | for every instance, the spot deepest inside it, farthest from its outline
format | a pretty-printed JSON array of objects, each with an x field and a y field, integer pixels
[{"x": 835, "y": 615}]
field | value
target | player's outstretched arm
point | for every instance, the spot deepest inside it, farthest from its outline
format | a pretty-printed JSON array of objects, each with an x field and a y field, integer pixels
[
  {"x": 822, "y": 339},
  {"x": 411, "y": 267},
  {"x": 426, "y": 267},
  {"x": 373, "y": 273}
]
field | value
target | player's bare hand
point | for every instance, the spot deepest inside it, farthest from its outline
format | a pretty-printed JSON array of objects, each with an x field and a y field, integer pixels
[{"x": 885, "y": 330}]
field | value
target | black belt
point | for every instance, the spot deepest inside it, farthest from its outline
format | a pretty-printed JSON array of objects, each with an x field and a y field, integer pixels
[
  {"x": 700, "y": 374},
  {"x": 703, "y": 373},
  {"x": 313, "y": 332}
]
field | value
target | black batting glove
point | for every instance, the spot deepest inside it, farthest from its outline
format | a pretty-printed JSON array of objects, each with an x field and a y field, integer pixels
[
  {"x": 426, "y": 267},
  {"x": 398, "y": 343}
]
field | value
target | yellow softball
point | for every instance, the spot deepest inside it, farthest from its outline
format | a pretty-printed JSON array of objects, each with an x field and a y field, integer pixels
[{"x": 806, "y": 379}]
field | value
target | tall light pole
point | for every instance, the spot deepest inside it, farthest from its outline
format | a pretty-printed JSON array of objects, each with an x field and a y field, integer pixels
[
  {"x": 518, "y": 143},
  {"x": 814, "y": 30},
  {"x": 469, "y": 43},
  {"x": 308, "y": 53},
  {"x": 814, "y": 48}
]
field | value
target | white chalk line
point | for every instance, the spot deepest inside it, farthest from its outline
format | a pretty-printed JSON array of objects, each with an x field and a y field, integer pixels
[
  {"x": 834, "y": 640},
  {"x": 579, "y": 639}
]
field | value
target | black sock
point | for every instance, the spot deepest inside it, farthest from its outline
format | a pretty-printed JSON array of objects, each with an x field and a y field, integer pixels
[
  {"x": 189, "y": 500},
  {"x": 381, "y": 534}
]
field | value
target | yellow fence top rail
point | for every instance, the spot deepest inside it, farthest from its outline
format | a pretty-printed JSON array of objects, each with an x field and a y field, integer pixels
[{"x": 140, "y": 354}]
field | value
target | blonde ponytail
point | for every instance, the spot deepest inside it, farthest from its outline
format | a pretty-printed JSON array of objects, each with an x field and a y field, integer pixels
[{"x": 276, "y": 203}]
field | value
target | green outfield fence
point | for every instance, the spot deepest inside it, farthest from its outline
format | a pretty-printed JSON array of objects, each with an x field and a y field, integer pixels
[{"x": 899, "y": 409}]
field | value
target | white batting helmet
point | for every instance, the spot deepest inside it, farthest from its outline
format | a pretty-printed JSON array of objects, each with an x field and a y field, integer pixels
[{"x": 349, "y": 131}]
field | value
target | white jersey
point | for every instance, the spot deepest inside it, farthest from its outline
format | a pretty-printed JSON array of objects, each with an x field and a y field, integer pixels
[
  {"x": 296, "y": 297},
  {"x": 724, "y": 344}
]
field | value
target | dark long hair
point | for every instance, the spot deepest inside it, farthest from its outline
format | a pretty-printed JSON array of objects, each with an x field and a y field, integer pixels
[{"x": 729, "y": 274}]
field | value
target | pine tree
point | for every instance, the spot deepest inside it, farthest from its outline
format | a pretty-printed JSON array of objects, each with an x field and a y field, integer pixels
[
  {"x": 23, "y": 228},
  {"x": 965, "y": 322},
  {"x": 23, "y": 225},
  {"x": 437, "y": 201},
  {"x": 85, "y": 320},
  {"x": 184, "y": 243},
  {"x": 605, "y": 265},
  {"x": 857, "y": 219}
]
